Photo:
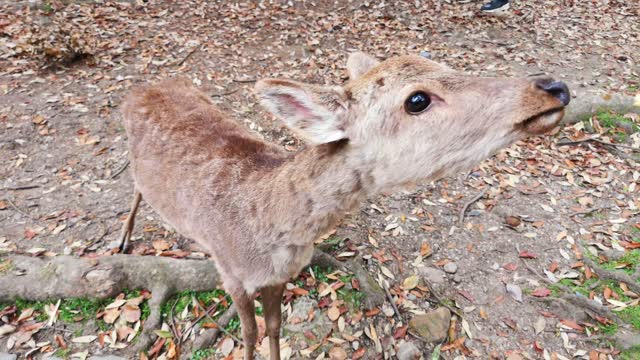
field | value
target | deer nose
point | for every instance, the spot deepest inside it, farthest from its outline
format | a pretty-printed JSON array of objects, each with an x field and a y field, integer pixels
[{"x": 557, "y": 89}]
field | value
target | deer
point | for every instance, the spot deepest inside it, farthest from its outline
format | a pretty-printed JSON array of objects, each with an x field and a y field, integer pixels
[{"x": 257, "y": 209}]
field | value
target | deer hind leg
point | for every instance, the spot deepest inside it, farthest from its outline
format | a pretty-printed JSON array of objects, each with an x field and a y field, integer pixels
[
  {"x": 247, "y": 313},
  {"x": 127, "y": 227},
  {"x": 271, "y": 301}
]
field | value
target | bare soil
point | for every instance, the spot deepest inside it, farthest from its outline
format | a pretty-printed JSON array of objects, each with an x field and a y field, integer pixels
[{"x": 62, "y": 145}]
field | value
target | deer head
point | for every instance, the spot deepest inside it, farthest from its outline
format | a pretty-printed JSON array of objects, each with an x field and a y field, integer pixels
[{"x": 409, "y": 118}]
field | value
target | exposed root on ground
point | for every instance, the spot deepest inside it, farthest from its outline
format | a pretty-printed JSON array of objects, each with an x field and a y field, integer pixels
[
  {"x": 618, "y": 276},
  {"x": 374, "y": 294},
  {"x": 39, "y": 279}
]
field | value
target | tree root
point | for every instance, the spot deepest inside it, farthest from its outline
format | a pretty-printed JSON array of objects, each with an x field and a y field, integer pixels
[
  {"x": 374, "y": 294},
  {"x": 105, "y": 277},
  {"x": 586, "y": 104},
  {"x": 40, "y": 279},
  {"x": 209, "y": 337},
  {"x": 618, "y": 276},
  {"x": 569, "y": 297}
]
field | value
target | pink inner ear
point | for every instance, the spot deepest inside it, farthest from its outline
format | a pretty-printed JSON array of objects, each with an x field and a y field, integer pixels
[{"x": 292, "y": 105}]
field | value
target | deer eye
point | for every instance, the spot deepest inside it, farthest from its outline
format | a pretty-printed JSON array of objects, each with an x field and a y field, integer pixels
[{"x": 417, "y": 102}]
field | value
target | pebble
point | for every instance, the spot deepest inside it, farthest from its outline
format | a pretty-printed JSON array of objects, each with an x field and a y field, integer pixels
[
  {"x": 451, "y": 267},
  {"x": 425, "y": 54},
  {"x": 7, "y": 356},
  {"x": 433, "y": 275},
  {"x": 432, "y": 326},
  {"x": 408, "y": 351}
]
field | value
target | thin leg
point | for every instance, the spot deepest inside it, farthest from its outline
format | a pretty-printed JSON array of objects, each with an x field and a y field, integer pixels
[
  {"x": 247, "y": 313},
  {"x": 127, "y": 227},
  {"x": 271, "y": 301}
]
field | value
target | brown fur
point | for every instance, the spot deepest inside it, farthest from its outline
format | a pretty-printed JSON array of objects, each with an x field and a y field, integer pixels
[{"x": 258, "y": 209}]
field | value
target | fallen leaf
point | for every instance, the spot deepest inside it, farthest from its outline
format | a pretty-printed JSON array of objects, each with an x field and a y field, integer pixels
[
  {"x": 515, "y": 291},
  {"x": 410, "y": 282},
  {"x": 541, "y": 292}
]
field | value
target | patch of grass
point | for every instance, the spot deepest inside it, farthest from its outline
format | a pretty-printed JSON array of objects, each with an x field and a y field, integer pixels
[
  {"x": 47, "y": 8},
  {"x": 631, "y": 257},
  {"x": 63, "y": 353},
  {"x": 234, "y": 325},
  {"x": 80, "y": 307},
  {"x": 351, "y": 297},
  {"x": 321, "y": 273},
  {"x": 184, "y": 299},
  {"x": 613, "y": 122},
  {"x": 631, "y": 354},
  {"x": 203, "y": 354}
]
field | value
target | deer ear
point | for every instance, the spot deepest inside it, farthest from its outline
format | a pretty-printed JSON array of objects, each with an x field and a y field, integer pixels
[
  {"x": 359, "y": 63},
  {"x": 313, "y": 112}
]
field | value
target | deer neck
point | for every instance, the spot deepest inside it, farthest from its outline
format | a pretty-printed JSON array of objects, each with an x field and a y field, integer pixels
[{"x": 314, "y": 188}]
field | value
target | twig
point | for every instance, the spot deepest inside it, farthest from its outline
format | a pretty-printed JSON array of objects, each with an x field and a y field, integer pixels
[
  {"x": 245, "y": 81},
  {"x": 206, "y": 314},
  {"x": 188, "y": 55},
  {"x": 596, "y": 140},
  {"x": 23, "y": 187},
  {"x": 466, "y": 205},
  {"x": 390, "y": 298},
  {"x": 120, "y": 170},
  {"x": 208, "y": 338},
  {"x": 589, "y": 211},
  {"x": 226, "y": 93},
  {"x": 13, "y": 205},
  {"x": 172, "y": 323}
]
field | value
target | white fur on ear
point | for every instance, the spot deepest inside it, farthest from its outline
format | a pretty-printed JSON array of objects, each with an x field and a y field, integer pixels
[
  {"x": 310, "y": 111},
  {"x": 359, "y": 63}
]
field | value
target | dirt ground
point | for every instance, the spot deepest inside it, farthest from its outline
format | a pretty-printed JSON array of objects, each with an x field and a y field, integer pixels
[{"x": 62, "y": 149}]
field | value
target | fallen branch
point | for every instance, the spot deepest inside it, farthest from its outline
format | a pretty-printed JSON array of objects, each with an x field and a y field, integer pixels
[{"x": 469, "y": 203}]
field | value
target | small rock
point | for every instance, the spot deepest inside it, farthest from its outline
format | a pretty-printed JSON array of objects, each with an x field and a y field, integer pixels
[
  {"x": 408, "y": 351},
  {"x": 457, "y": 278},
  {"x": 432, "y": 326},
  {"x": 107, "y": 357},
  {"x": 513, "y": 221},
  {"x": 433, "y": 275},
  {"x": 450, "y": 267},
  {"x": 425, "y": 54},
  {"x": 7, "y": 356},
  {"x": 355, "y": 345}
]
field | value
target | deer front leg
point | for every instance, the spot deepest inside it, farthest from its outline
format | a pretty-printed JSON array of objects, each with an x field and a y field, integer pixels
[
  {"x": 271, "y": 301},
  {"x": 247, "y": 313},
  {"x": 127, "y": 227}
]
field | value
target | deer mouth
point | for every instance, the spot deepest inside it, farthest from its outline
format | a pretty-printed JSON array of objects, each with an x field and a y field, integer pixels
[{"x": 542, "y": 122}]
